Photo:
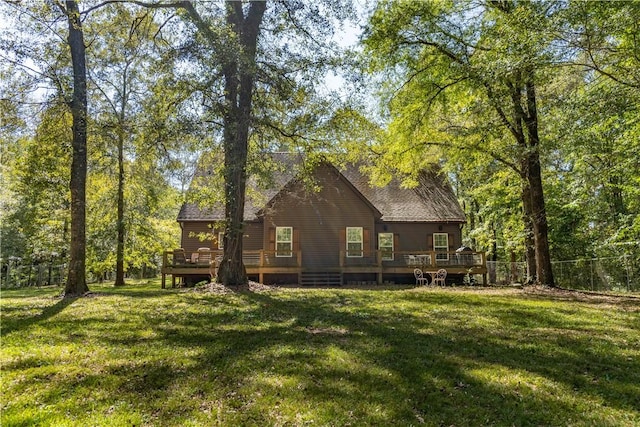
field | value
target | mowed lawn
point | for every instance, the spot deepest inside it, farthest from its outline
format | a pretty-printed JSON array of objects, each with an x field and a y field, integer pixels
[{"x": 140, "y": 355}]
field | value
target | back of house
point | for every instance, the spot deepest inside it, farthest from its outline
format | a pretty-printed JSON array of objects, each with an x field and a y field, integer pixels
[{"x": 330, "y": 226}]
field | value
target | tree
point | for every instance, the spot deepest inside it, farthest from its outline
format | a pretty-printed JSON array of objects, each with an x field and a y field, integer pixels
[
  {"x": 121, "y": 56},
  {"x": 38, "y": 138},
  {"x": 238, "y": 69},
  {"x": 603, "y": 36},
  {"x": 469, "y": 74},
  {"x": 36, "y": 176},
  {"x": 76, "y": 280}
]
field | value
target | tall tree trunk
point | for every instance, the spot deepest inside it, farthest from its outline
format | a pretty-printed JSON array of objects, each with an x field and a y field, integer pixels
[
  {"x": 76, "y": 280},
  {"x": 529, "y": 240},
  {"x": 544, "y": 272},
  {"x": 239, "y": 74},
  {"x": 121, "y": 180},
  {"x": 120, "y": 220}
]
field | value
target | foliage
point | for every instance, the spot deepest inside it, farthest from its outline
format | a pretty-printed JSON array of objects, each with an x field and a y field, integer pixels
[
  {"x": 449, "y": 69},
  {"x": 147, "y": 356},
  {"x": 37, "y": 170},
  {"x": 37, "y": 175}
]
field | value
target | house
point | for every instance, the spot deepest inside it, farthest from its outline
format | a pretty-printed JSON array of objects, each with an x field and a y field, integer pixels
[{"x": 334, "y": 228}]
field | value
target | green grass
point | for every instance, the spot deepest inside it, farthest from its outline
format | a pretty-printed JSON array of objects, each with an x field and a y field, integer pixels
[{"x": 140, "y": 355}]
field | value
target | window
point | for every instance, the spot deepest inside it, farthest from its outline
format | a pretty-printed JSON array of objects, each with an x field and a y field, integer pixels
[
  {"x": 385, "y": 244},
  {"x": 354, "y": 242},
  {"x": 221, "y": 240},
  {"x": 284, "y": 241},
  {"x": 441, "y": 244}
]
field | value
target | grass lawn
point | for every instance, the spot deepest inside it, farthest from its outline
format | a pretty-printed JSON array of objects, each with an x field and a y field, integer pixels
[{"x": 139, "y": 355}]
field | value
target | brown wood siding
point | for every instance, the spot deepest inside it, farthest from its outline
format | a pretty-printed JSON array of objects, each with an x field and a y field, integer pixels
[
  {"x": 419, "y": 236},
  {"x": 252, "y": 236},
  {"x": 319, "y": 218},
  {"x": 190, "y": 240}
]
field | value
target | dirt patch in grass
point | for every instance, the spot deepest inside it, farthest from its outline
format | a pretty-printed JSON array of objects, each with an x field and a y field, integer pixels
[
  {"x": 630, "y": 302},
  {"x": 219, "y": 288}
]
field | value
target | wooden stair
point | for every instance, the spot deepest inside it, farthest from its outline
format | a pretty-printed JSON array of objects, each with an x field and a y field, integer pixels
[{"x": 312, "y": 278}]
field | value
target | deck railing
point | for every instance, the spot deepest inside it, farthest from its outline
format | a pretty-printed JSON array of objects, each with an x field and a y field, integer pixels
[
  {"x": 426, "y": 260},
  {"x": 260, "y": 258}
]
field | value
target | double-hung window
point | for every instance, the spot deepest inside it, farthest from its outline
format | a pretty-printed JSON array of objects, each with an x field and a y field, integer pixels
[
  {"x": 284, "y": 241},
  {"x": 385, "y": 245},
  {"x": 440, "y": 245},
  {"x": 354, "y": 242}
]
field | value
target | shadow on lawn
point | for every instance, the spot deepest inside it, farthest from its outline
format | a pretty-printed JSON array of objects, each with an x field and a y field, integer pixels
[
  {"x": 418, "y": 371},
  {"x": 344, "y": 361},
  {"x": 13, "y": 323}
]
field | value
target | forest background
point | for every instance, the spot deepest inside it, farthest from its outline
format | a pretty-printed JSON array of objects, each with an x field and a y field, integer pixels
[{"x": 450, "y": 83}]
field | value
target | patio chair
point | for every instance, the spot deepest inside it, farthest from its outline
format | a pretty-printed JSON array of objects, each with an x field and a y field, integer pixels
[
  {"x": 179, "y": 257},
  {"x": 204, "y": 256},
  {"x": 420, "y": 279},
  {"x": 439, "y": 277}
]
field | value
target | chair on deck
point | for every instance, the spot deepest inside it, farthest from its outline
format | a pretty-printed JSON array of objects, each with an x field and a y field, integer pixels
[
  {"x": 439, "y": 277},
  {"x": 205, "y": 259},
  {"x": 179, "y": 257},
  {"x": 420, "y": 279},
  {"x": 204, "y": 256}
]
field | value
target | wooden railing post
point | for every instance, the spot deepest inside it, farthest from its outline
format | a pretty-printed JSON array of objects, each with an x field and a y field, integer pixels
[{"x": 164, "y": 266}]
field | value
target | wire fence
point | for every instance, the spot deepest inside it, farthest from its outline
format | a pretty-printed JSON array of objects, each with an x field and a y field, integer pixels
[
  {"x": 15, "y": 275},
  {"x": 620, "y": 274}
]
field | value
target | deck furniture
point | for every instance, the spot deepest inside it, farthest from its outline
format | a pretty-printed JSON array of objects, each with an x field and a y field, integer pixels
[
  {"x": 204, "y": 256},
  {"x": 420, "y": 279},
  {"x": 179, "y": 257},
  {"x": 439, "y": 277}
]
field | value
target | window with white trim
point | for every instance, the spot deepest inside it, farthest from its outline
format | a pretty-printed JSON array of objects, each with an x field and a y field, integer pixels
[
  {"x": 441, "y": 244},
  {"x": 284, "y": 241},
  {"x": 221, "y": 240},
  {"x": 354, "y": 242},
  {"x": 385, "y": 245}
]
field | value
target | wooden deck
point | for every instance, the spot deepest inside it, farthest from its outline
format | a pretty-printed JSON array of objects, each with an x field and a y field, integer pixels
[{"x": 263, "y": 264}]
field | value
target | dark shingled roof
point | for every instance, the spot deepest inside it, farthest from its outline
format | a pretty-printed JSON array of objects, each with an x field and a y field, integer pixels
[{"x": 432, "y": 200}]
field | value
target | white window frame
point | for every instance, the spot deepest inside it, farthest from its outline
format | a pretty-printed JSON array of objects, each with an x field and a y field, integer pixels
[
  {"x": 440, "y": 248},
  {"x": 384, "y": 249},
  {"x": 220, "y": 239},
  {"x": 360, "y": 242},
  {"x": 284, "y": 253}
]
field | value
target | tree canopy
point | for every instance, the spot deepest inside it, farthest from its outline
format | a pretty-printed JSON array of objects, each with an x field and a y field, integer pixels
[{"x": 531, "y": 108}]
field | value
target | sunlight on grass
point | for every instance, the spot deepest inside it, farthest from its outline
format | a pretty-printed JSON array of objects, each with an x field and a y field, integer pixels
[{"x": 139, "y": 355}]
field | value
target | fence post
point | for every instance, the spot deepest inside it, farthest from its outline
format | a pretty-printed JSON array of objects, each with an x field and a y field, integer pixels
[{"x": 628, "y": 268}]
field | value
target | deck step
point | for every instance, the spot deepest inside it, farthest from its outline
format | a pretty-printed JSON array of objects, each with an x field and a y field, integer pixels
[{"x": 310, "y": 278}]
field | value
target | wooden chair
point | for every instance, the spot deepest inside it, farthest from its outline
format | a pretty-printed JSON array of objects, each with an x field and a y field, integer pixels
[
  {"x": 439, "y": 277},
  {"x": 204, "y": 256},
  {"x": 420, "y": 279},
  {"x": 179, "y": 257}
]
